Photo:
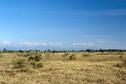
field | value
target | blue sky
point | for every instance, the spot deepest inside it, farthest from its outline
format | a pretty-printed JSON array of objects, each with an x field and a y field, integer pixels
[{"x": 62, "y": 24}]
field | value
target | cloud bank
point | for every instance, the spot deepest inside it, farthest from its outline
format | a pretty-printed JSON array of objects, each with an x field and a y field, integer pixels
[
  {"x": 26, "y": 45},
  {"x": 44, "y": 45}
]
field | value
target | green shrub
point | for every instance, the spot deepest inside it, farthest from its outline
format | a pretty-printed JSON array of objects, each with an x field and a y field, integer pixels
[
  {"x": 1, "y": 55},
  {"x": 65, "y": 55},
  {"x": 124, "y": 63},
  {"x": 121, "y": 57},
  {"x": 35, "y": 57},
  {"x": 37, "y": 64},
  {"x": 85, "y": 55},
  {"x": 121, "y": 65},
  {"x": 72, "y": 57},
  {"x": 24, "y": 54},
  {"x": 47, "y": 55},
  {"x": 3, "y": 82},
  {"x": 19, "y": 63}
]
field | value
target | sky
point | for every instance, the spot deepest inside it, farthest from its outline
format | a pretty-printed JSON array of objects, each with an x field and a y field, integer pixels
[{"x": 62, "y": 24}]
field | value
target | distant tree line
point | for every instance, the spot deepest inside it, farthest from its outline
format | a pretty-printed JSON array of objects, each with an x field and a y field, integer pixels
[{"x": 64, "y": 51}]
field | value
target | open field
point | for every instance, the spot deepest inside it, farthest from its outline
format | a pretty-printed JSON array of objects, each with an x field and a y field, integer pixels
[{"x": 63, "y": 68}]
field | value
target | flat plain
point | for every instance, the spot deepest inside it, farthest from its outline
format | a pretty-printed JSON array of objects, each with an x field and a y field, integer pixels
[{"x": 63, "y": 68}]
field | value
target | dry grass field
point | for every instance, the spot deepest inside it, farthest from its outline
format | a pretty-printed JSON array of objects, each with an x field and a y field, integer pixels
[{"x": 63, "y": 68}]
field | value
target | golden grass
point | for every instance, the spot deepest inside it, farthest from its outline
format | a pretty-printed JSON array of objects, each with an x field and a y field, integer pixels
[{"x": 87, "y": 68}]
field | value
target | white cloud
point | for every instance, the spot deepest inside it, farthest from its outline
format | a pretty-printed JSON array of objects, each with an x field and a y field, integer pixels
[
  {"x": 33, "y": 43},
  {"x": 55, "y": 43},
  {"x": 83, "y": 44},
  {"x": 30, "y": 45},
  {"x": 5, "y": 43}
]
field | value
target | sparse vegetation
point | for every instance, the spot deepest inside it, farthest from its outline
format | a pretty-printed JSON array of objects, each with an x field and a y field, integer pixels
[
  {"x": 19, "y": 63},
  {"x": 1, "y": 55},
  {"x": 52, "y": 68},
  {"x": 66, "y": 54},
  {"x": 37, "y": 64},
  {"x": 86, "y": 55},
  {"x": 72, "y": 57},
  {"x": 35, "y": 58},
  {"x": 121, "y": 65},
  {"x": 47, "y": 55}
]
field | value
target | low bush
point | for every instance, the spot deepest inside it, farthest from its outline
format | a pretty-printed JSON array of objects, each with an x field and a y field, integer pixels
[
  {"x": 35, "y": 57},
  {"x": 1, "y": 55},
  {"x": 72, "y": 57},
  {"x": 37, "y": 64},
  {"x": 85, "y": 55},
  {"x": 19, "y": 63},
  {"x": 65, "y": 55},
  {"x": 47, "y": 55},
  {"x": 121, "y": 57},
  {"x": 121, "y": 65}
]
